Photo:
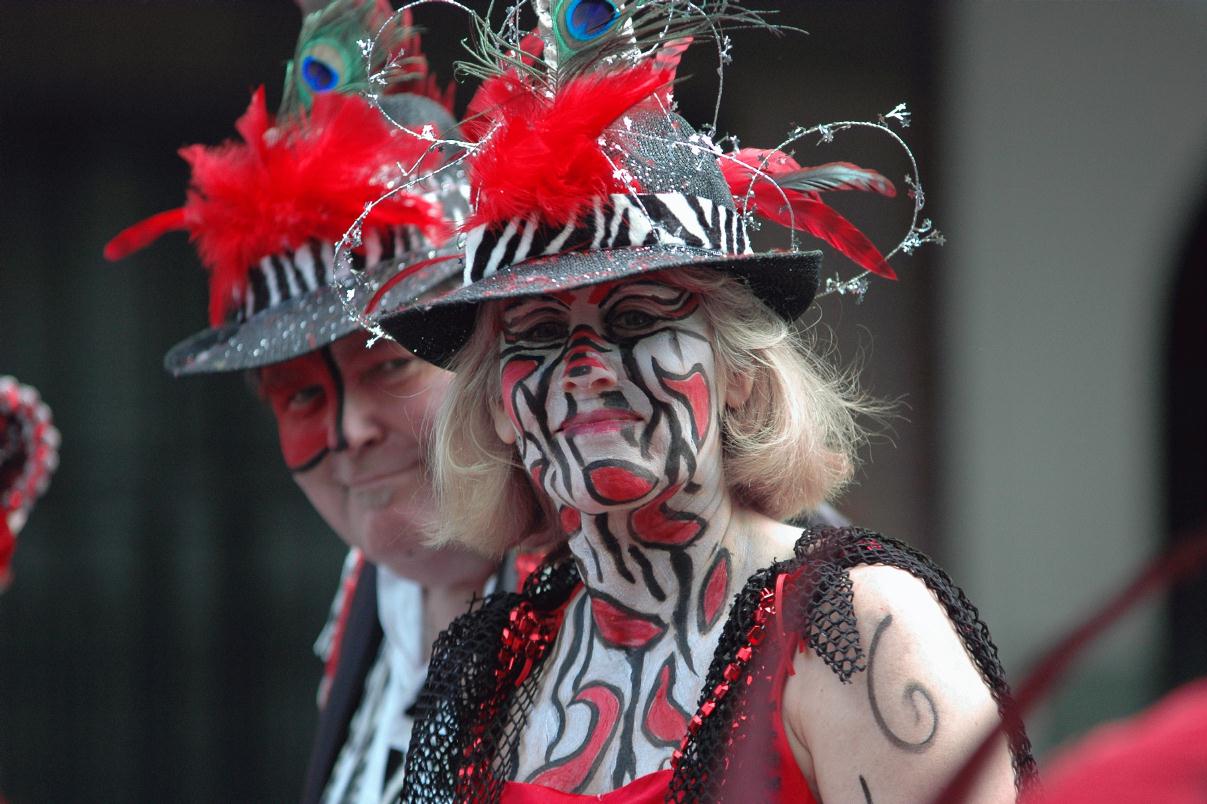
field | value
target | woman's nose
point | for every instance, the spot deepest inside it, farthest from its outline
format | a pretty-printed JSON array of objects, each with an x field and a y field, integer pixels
[{"x": 588, "y": 364}]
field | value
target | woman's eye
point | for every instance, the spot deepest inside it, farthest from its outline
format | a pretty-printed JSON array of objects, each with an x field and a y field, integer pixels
[
  {"x": 633, "y": 320},
  {"x": 544, "y": 332}
]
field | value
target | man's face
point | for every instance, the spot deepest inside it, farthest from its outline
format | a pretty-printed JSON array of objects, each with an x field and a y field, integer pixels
[
  {"x": 609, "y": 391},
  {"x": 353, "y": 425}
]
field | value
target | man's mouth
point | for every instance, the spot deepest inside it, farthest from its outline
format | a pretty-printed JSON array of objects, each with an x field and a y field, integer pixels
[{"x": 369, "y": 480}]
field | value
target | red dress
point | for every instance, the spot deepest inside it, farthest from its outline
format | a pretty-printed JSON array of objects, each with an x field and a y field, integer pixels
[
  {"x": 788, "y": 787},
  {"x": 653, "y": 787}
]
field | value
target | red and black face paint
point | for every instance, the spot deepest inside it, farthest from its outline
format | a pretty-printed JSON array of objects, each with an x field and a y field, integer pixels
[
  {"x": 636, "y": 367},
  {"x": 307, "y": 397}
]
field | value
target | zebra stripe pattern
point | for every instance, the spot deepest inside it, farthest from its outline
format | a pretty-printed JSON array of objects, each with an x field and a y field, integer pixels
[
  {"x": 618, "y": 221},
  {"x": 280, "y": 277}
]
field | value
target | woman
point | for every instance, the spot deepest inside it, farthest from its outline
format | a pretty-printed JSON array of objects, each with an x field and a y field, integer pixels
[{"x": 629, "y": 379}]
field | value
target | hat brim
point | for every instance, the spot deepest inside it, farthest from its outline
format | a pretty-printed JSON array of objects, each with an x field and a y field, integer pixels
[
  {"x": 786, "y": 282},
  {"x": 299, "y": 325}
]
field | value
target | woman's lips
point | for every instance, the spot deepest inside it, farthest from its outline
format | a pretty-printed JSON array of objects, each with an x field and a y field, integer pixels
[{"x": 598, "y": 421}]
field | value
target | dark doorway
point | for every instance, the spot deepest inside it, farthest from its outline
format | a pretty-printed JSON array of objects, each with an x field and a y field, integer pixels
[{"x": 1186, "y": 448}]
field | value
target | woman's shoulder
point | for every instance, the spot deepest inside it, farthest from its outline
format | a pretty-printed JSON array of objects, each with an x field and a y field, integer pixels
[
  {"x": 896, "y": 677},
  {"x": 846, "y": 586}
]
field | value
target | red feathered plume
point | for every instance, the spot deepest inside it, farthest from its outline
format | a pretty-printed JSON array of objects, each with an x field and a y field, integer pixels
[
  {"x": 281, "y": 187},
  {"x": 782, "y": 191},
  {"x": 542, "y": 154},
  {"x": 494, "y": 97}
]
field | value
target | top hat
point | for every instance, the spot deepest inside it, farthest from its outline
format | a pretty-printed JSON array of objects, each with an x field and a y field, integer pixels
[
  {"x": 270, "y": 214},
  {"x": 582, "y": 174}
]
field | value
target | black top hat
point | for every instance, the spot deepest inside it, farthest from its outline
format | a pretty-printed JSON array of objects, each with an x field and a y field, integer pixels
[
  {"x": 683, "y": 216},
  {"x": 582, "y": 173},
  {"x": 270, "y": 215}
]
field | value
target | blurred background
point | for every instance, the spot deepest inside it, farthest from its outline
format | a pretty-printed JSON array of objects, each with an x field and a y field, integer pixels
[{"x": 155, "y": 644}]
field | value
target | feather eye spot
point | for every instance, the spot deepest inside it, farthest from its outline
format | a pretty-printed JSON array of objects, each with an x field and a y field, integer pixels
[
  {"x": 590, "y": 19},
  {"x": 323, "y": 68},
  {"x": 318, "y": 75}
]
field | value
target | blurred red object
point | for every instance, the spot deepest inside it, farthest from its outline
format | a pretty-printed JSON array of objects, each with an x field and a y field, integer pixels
[{"x": 1158, "y": 755}]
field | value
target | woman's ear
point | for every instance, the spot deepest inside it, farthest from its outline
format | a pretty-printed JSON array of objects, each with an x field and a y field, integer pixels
[
  {"x": 738, "y": 388},
  {"x": 504, "y": 429}
]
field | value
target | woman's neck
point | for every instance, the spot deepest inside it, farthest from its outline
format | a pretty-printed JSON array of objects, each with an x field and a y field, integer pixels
[
  {"x": 665, "y": 566},
  {"x": 635, "y": 648}
]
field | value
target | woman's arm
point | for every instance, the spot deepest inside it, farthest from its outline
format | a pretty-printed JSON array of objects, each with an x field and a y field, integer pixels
[{"x": 901, "y": 727}]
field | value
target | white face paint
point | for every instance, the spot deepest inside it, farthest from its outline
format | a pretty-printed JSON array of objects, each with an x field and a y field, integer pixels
[
  {"x": 612, "y": 396},
  {"x": 609, "y": 392}
]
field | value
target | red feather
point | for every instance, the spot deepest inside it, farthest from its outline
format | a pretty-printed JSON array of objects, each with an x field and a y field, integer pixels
[
  {"x": 753, "y": 175},
  {"x": 814, "y": 216},
  {"x": 542, "y": 155},
  {"x": 669, "y": 55},
  {"x": 8, "y": 546},
  {"x": 144, "y": 233},
  {"x": 281, "y": 187},
  {"x": 496, "y": 94}
]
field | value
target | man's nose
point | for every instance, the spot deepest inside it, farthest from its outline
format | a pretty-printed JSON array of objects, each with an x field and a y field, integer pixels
[{"x": 355, "y": 423}]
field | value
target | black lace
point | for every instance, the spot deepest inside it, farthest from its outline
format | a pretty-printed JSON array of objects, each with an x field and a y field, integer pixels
[{"x": 466, "y": 740}]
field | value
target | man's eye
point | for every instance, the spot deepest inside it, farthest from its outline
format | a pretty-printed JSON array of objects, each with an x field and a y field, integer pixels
[
  {"x": 303, "y": 399},
  {"x": 393, "y": 366},
  {"x": 633, "y": 320},
  {"x": 544, "y": 332}
]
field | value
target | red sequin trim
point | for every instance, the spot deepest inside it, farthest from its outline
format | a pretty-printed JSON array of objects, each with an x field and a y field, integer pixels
[
  {"x": 526, "y": 639},
  {"x": 732, "y": 672}
]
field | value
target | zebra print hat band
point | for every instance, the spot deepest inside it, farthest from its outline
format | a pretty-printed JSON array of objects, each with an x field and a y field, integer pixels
[
  {"x": 304, "y": 322},
  {"x": 618, "y": 221},
  {"x": 685, "y": 219},
  {"x": 281, "y": 277}
]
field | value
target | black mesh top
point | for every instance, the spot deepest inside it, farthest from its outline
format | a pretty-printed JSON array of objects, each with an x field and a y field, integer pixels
[{"x": 485, "y": 668}]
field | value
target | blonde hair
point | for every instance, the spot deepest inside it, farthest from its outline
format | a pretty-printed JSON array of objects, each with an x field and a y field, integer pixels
[{"x": 789, "y": 447}]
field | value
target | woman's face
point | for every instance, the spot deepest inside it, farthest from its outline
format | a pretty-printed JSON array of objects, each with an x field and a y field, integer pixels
[{"x": 609, "y": 392}]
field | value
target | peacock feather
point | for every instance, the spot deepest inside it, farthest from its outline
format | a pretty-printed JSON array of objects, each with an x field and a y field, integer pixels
[
  {"x": 583, "y": 36},
  {"x": 330, "y": 57}
]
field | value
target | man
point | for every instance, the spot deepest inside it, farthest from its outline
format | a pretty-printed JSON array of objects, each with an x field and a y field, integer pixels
[{"x": 269, "y": 216}]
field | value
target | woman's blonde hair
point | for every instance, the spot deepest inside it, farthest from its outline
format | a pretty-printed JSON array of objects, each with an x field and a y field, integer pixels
[{"x": 790, "y": 446}]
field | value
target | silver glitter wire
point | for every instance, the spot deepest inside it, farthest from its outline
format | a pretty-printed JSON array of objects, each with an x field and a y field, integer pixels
[
  {"x": 347, "y": 279},
  {"x": 917, "y": 234},
  {"x": 507, "y": 40},
  {"x": 723, "y": 46}
]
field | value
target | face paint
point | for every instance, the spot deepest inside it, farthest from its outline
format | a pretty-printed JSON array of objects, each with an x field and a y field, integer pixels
[
  {"x": 716, "y": 586},
  {"x": 622, "y": 626},
  {"x": 354, "y": 423},
  {"x": 609, "y": 390},
  {"x": 603, "y": 703},
  {"x": 307, "y": 397},
  {"x": 611, "y": 393},
  {"x": 665, "y": 722}
]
